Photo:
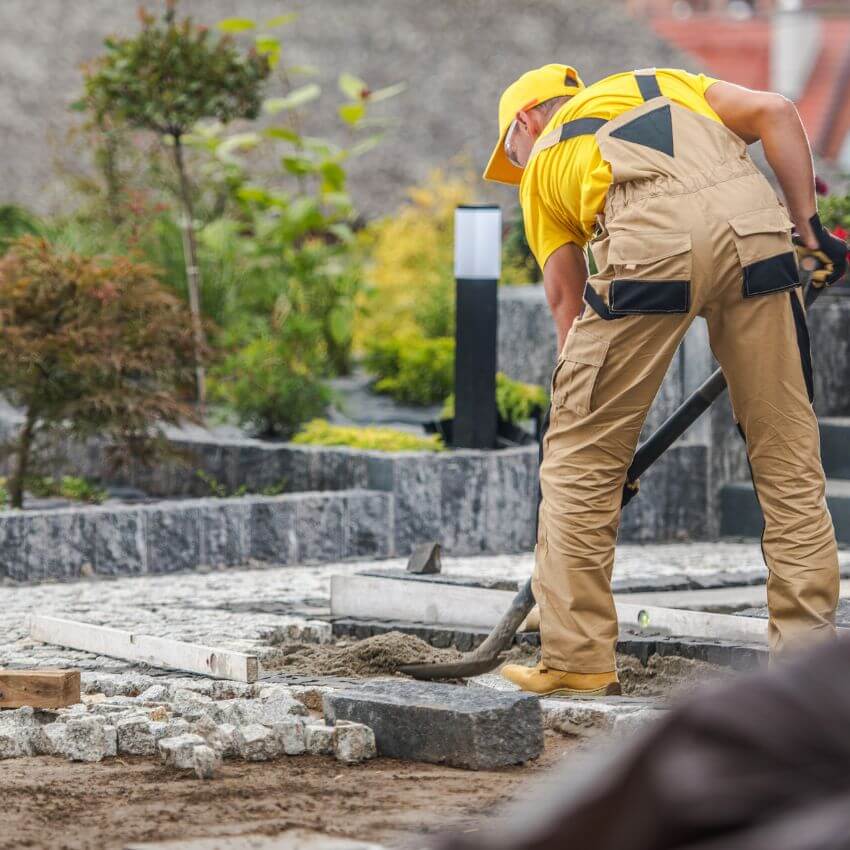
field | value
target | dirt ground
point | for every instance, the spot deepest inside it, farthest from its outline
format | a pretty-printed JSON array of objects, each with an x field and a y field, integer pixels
[
  {"x": 51, "y": 803},
  {"x": 55, "y": 804}
]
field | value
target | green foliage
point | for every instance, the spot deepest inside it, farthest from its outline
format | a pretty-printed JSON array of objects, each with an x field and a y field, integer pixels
[
  {"x": 220, "y": 491},
  {"x": 516, "y": 401},
  {"x": 15, "y": 221},
  {"x": 173, "y": 74},
  {"x": 89, "y": 347},
  {"x": 834, "y": 211},
  {"x": 412, "y": 368},
  {"x": 68, "y": 487},
  {"x": 271, "y": 384},
  {"x": 322, "y": 433},
  {"x": 518, "y": 263}
]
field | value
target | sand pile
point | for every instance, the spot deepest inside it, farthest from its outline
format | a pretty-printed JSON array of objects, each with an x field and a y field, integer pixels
[{"x": 375, "y": 656}]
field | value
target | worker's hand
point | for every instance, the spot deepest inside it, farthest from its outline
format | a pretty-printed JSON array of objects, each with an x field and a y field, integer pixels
[{"x": 830, "y": 255}]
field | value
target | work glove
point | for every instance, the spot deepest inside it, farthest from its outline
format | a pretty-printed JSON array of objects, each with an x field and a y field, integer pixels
[{"x": 830, "y": 256}]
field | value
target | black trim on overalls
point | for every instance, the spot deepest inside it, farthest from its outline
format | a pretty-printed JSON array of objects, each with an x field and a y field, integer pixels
[
  {"x": 648, "y": 85},
  {"x": 771, "y": 275},
  {"x": 803, "y": 343}
]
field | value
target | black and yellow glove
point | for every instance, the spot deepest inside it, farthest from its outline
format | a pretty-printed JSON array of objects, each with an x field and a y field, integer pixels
[{"x": 830, "y": 255}]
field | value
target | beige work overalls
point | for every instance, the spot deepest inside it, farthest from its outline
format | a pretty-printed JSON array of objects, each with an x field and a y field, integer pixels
[{"x": 691, "y": 228}]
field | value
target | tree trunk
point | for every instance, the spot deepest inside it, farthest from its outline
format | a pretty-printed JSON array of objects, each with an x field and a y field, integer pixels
[
  {"x": 22, "y": 458},
  {"x": 193, "y": 271}
]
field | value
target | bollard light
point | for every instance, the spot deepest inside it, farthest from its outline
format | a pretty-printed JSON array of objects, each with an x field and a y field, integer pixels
[{"x": 478, "y": 266}]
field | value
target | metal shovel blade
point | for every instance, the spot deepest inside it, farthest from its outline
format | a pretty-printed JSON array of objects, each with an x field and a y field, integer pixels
[{"x": 488, "y": 655}]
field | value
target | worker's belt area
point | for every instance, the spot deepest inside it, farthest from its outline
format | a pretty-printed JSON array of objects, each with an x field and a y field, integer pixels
[{"x": 630, "y": 297}]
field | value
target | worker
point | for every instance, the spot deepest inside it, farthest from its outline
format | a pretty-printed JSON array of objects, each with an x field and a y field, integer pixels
[{"x": 651, "y": 168}]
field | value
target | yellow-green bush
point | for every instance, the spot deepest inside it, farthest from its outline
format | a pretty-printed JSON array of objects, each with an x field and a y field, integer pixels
[
  {"x": 319, "y": 432},
  {"x": 411, "y": 368},
  {"x": 409, "y": 273},
  {"x": 515, "y": 400}
]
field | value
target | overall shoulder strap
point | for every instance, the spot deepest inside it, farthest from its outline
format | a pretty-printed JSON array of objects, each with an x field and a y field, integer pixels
[{"x": 647, "y": 84}]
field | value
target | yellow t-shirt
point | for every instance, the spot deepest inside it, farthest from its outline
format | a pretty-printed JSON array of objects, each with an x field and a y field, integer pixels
[{"x": 563, "y": 188}]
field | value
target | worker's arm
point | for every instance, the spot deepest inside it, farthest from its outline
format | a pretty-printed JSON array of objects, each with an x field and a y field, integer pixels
[
  {"x": 768, "y": 116},
  {"x": 564, "y": 276}
]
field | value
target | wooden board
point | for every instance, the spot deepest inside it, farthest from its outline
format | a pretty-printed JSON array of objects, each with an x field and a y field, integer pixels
[
  {"x": 376, "y": 598},
  {"x": 147, "y": 649},
  {"x": 39, "y": 688}
]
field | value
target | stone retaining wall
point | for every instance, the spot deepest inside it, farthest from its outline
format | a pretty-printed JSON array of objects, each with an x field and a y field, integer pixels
[{"x": 168, "y": 536}]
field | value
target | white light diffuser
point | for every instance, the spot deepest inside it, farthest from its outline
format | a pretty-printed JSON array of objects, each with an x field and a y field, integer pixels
[{"x": 478, "y": 243}]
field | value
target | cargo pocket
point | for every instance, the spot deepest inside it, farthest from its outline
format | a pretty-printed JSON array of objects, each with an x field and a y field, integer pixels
[
  {"x": 652, "y": 272},
  {"x": 764, "y": 246},
  {"x": 574, "y": 379}
]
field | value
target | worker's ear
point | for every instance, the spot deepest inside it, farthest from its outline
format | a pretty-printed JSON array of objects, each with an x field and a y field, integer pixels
[{"x": 532, "y": 121}]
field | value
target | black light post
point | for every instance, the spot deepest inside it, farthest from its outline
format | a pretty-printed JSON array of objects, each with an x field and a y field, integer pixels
[{"x": 478, "y": 266}]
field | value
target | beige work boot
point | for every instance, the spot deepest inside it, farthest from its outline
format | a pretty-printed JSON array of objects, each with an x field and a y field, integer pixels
[{"x": 545, "y": 682}]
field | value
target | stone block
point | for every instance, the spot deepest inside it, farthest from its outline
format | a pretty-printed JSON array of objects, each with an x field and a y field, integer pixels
[
  {"x": 205, "y": 762},
  {"x": 369, "y": 525},
  {"x": 137, "y": 736},
  {"x": 110, "y": 738},
  {"x": 156, "y": 693},
  {"x": 320, "y": 527},
  {"x": 15, "y": 741},
  {"x": 224, "y": 532},
  {"x": 414, "y": 480},
  {"x": 257, "y": 743},
  {"x": 463, "y": 500},
  {"x": 173, "y": 537},
  {"x": 272, "y": 531},
  {"x": 119, "y": 540},
  {"x": 85, "y": 740},
  {"x": 511, "y": 499},
  {"x": 354, "y": 743},
  {"x": 178, "y": 752},
  {"x": 319, "y": 739},
  {"x": 585, "y": 718},
  {"x": 53, "y": 741},
  {"x": 445, "y": 724},
  {"x": 291, "y": 736}
]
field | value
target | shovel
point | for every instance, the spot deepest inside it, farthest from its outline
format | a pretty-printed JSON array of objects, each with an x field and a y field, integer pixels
[{"x": 488, "y": 655}]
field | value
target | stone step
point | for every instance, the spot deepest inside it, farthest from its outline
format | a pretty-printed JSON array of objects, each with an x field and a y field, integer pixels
[
  {"x": 740, "y": 513},
  {"x": 835, "y": 446}
]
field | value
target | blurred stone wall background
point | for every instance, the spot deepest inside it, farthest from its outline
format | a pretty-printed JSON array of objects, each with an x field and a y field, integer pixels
[{"x": 455, "y": 55}]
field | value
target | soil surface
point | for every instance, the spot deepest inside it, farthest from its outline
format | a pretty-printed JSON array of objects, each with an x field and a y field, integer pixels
[
  {"x": 383, "y": 654},
  {"x": 55, "y": 804}
]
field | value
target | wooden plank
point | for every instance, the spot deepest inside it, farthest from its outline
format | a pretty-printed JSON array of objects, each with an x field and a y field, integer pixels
[
  {"x": 147, "y": 649},
  {"x": 39, "y": 688},
  {"x": 385, "y": 598}
]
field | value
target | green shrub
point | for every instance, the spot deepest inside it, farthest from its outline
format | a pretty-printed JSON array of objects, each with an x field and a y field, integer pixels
[
  {"x": 321, "y": 433},
  {"x": 413, "y": 369},
  {"x": 515, "y": 400},
  {"x": 270, "y": 386},
  {"x": 68, "y": 487},
  {"x": 834, "y": 211}
]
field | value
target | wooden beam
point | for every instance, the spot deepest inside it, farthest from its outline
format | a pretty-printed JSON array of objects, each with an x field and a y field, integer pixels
[
  {"x": 147, "y": 649},
  {"x": 39, "y": 688}
]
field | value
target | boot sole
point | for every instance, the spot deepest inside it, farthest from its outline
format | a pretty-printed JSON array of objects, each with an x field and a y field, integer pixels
[{"x": 611, "y": 690}]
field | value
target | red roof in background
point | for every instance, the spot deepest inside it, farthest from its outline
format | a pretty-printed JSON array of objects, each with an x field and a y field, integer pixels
[{"x": 739, "y": 51}]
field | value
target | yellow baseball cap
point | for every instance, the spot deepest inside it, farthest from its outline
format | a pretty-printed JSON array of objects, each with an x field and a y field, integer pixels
[{"x": 531, "y": 88}]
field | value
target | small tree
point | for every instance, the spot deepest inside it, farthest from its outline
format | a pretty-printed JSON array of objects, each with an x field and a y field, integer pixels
[
  {"x": 89, "y": 347},
  {"x": 166, "y": 79}
]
